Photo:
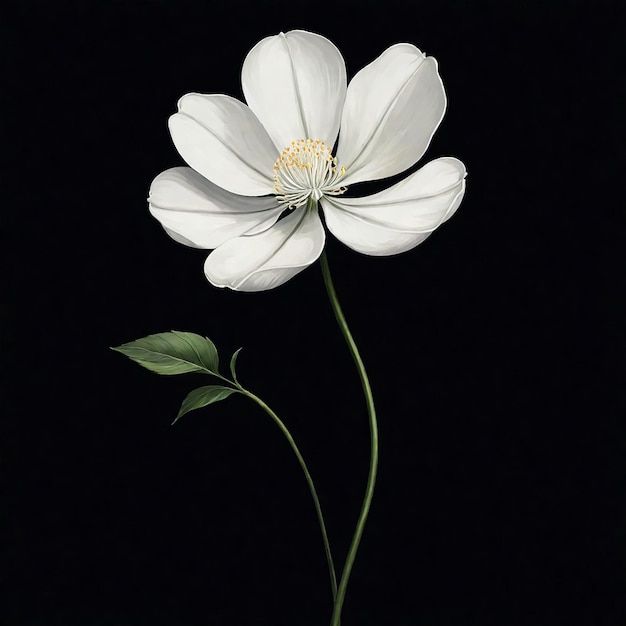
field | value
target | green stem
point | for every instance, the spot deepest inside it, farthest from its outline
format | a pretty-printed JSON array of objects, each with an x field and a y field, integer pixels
[
  {"x": 371, "y": 411},
  {"x": 309, "y": 480}
]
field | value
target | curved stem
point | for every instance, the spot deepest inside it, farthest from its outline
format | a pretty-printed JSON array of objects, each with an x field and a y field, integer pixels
[
  {"x": 309, "y": 480},
  {"x": 371, "y": 411}
]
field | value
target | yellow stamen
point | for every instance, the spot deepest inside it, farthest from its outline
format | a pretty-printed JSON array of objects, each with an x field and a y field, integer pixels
[{"x": 306, "y": 169}]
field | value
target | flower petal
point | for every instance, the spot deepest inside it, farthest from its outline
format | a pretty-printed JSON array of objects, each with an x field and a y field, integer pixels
[
  {"x": 392, "y": 109},
  {"x": 221, "y": 138},
  {"x": 198, "y": 213},
  {"x": 269, "y": 259},
  {"x": 180, "y": 239},
  {"x": 399, "y": 218},
  {"x": 296, "y": 84}
]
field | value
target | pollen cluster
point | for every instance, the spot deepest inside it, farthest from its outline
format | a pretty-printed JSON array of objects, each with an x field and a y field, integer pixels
[{"x": 306, "y": 169}]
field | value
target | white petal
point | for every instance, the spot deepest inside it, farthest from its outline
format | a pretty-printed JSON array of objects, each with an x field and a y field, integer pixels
[
  {"x": 221, "y": 138},
  {"x": 180, "y": 239},
  {"x": 393, "y": 107},
  {"x": 399, "y": 218},
  {"x": 198, "y": 213},
  {"x": 269, "y": 259},
  {"x": 296, "y": 84}
]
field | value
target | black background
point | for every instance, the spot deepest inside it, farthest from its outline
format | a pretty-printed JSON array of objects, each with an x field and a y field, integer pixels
[{"x": 495, "y": 349}]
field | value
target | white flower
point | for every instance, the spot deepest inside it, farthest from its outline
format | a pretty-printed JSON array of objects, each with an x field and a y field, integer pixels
[{"x": 252, "y": 164}]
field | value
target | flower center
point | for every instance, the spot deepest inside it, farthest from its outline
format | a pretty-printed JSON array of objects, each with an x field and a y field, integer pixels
[{"x": 306, "y": 169}]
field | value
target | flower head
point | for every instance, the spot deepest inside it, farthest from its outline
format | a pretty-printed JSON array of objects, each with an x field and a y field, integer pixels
[{"x": 258, "y": 172}]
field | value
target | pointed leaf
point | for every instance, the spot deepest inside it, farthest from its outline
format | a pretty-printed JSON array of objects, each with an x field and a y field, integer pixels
[
  {"x": 233, "y": 361},
  {"x": 175, "y": 352},
  {"x": 205, "y": 348},
  {"x": 203, "y": 396}
]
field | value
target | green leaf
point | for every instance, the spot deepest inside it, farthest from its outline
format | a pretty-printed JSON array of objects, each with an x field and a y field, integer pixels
[
  {"x": 205, "y": 348},
  {"x": 175, "y": 352},
  {"x": 233, "y": 361},
  {"x": 203, "y": 396}
]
